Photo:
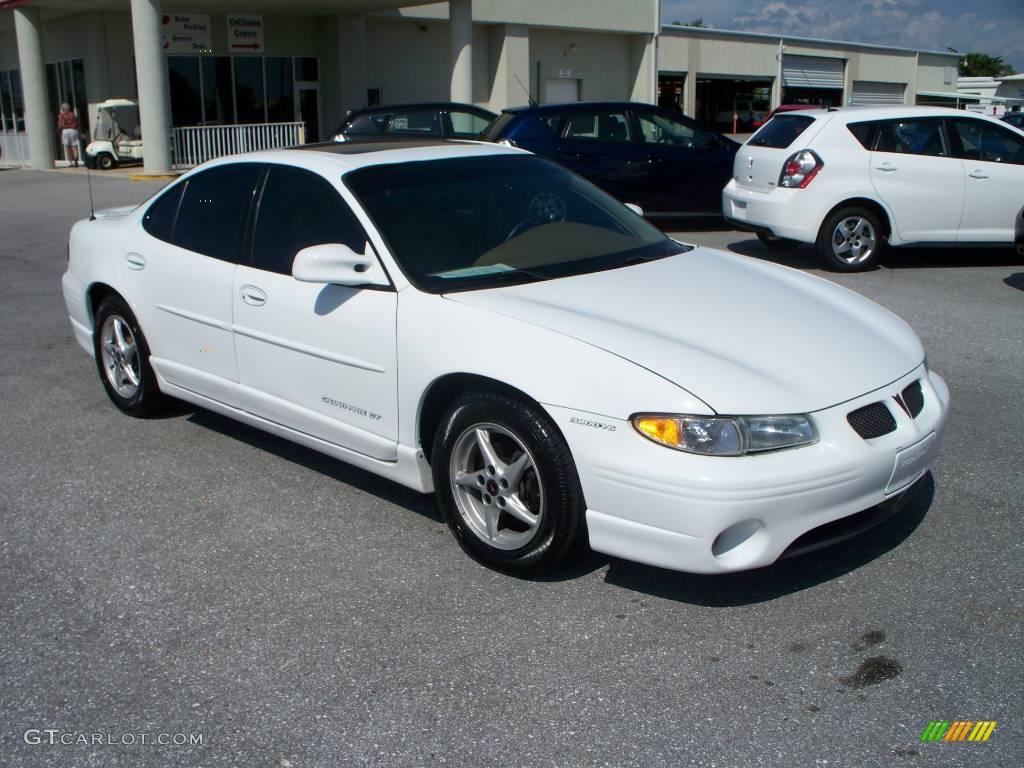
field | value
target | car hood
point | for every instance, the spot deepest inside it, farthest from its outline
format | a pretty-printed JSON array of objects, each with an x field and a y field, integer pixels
[{"x": 744, "y": 336}]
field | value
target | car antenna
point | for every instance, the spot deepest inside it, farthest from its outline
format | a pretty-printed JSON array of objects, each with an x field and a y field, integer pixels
[
  {"x": 532, "y": 101},
  {"x": 92, "y": 207}
]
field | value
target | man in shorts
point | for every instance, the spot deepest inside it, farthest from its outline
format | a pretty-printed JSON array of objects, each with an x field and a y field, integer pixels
[{"x": 67, "y": 124}]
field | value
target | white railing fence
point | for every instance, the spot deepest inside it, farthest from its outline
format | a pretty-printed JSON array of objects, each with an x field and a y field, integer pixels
[
  {"x": 13, "y": 148},
  {"x": 193, "y": 145}
]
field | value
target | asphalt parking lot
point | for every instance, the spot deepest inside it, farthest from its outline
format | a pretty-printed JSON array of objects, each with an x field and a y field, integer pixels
[{"x": 189, "y": 575}]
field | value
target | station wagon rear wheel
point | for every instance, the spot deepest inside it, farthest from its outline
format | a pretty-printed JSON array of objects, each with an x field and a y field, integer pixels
[
  {"x": 507, "y": 484},
  {"x": 850, "y": 240},
  {"x": 122, "y": 358}
]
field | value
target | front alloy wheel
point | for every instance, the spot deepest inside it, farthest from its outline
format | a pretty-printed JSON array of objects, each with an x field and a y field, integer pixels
[{"x": 507, "y": 484}]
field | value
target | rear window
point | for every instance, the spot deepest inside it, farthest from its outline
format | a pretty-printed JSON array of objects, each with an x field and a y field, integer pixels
[
  {"x": 497, "y": 127},
  {"x": 780, "y": 131}
]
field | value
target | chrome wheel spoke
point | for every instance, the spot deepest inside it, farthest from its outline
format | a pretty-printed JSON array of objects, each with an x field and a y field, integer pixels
[
  {"x": 483, "y": 442},
  {"x": 514, "y": 472},
  {"x": 130, "y": 375},
  {"x": 515, "y": 507},
  {"x": 468, "y": 480},
  {"x": 491, "y": 515}
]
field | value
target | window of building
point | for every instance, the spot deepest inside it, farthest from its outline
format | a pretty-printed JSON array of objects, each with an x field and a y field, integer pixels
[
  {"x": 249, "y": 97},
  {"x": 66, "y": 83},
  {"x": 12, "y": 114},
  {"x": 299, "y": 209},
  {"x": 280, "y": 89},
  {"x": 186, "y": 90},
  {"x": 231, "y": 90},
  {"x": 213, "y": 210}
]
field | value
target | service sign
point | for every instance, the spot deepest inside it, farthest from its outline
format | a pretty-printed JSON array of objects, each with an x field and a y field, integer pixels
[
  {"x": 186, "y": 33},
  {"x": 245, "y": 33}
]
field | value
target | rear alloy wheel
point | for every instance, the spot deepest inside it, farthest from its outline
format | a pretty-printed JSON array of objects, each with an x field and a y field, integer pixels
[
  {"x": 850, "y": 240},
  {"x": 507, "y": 484},
  {"x": 122, "y": 357},
  {"x": 777, "y": 243}
]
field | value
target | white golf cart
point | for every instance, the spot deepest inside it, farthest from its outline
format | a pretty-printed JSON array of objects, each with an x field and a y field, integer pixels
[{"x": 116, "y": 138}]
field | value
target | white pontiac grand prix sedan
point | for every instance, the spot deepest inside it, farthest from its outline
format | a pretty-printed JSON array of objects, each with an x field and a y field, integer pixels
[{"x": 472, "y": 320}]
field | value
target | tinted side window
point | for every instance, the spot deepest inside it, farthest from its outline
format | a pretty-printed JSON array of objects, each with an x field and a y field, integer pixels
[
  {"x": 419, "y": 122},
  {"x": 992, "y": 143},
  {"x": 598, "y": 126},
  {"x": 658, "y": 129},
  {"x": 159, "y": 219},
  {"x": 299, "y": 209},
  {"x": 911, "y": 137},
  {"x": 781, "y": 131},
  {"x": 213, "y": 210},
  {"x": 467, "y": 124}
]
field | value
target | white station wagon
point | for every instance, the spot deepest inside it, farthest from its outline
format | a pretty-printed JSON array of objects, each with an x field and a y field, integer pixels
[
  {"x": 851, "y": 181},
  {"x": 475, "y": 321}
]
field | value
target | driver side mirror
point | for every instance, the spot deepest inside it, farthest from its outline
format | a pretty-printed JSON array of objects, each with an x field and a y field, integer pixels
[{"x": 338, "y": 264}]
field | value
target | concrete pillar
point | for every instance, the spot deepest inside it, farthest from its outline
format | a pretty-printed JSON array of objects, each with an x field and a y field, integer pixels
[
  {"x": 352, "y": 62},
  {"x": 511, "y": 84},
  {"x": 460, "y": 14},
  {"x": 40, "y": 127},
  {"x": 643, "y": 59},
  {"x": 154, "y": 91}
]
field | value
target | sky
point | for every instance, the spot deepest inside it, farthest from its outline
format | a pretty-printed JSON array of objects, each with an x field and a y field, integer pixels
[{"x": 995, "y": 27}]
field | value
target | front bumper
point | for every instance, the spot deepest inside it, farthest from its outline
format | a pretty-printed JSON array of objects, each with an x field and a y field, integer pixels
[{"x": 700, "y": 514}]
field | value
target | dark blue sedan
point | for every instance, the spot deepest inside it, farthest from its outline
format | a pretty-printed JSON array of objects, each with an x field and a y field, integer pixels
[{"x": 664, "y": 162}]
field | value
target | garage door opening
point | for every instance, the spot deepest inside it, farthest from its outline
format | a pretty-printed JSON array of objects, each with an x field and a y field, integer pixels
[
  {"x": 670, "y": 90},
  {"x": 812, "y": 80},
  {"x": 718, "y": 99}
]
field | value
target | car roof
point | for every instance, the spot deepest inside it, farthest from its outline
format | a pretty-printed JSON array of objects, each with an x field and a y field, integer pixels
[
  {"x": 858, "y": 114},
  {"x": 333, "y": 158},
  {"x": 384, "y": 108},
  {"x": 579, "y": 106}
]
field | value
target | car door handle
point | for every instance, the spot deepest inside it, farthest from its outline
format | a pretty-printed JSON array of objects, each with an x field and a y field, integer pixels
[
  {"x": 978, "y": 174},
  {"x": 135, "y": 261},
  {"x": 253, "y": 296},
  {"x": 886, "y": 167}
]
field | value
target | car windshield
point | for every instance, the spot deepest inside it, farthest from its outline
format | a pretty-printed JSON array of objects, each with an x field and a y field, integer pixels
[{"x": 478, "y": 222}]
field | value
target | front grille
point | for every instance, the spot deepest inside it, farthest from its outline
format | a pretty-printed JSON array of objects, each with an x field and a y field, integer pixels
[
  {"x": 872, "y": 421},
  {"x": 913, "y": 399}
]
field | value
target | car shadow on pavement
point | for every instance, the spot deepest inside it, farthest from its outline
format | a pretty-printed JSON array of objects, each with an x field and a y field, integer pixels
[
  {"x": 420, "y": 503},
  {"x": 784, "y": 577},
  {"x": 1016, "y": 280},
  {"x": 805, "y": 257}
]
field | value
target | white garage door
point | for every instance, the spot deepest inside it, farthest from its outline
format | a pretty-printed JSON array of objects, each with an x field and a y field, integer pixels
[
  {"x": 812, "y": 72},
  {"x": 865, "y": 93},
  {"x": 560, "y": 90}
]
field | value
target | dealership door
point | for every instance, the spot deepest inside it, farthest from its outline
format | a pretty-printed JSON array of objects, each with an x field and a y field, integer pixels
[
  {"x": 866, "y": 93},
  {"x": 561, "y": 90},
  {"x": 307, "y": 109}
]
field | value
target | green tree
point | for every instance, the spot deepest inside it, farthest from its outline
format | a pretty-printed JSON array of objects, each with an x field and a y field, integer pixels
[
  {"x": 983, "y": 65},
  {"x": 694, "y": 23}
]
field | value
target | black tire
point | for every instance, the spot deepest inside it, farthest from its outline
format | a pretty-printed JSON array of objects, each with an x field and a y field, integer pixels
[
  {"x": 105, "y": 161},
  {"x": 828, "y": 234},
  {"x": 777, "y": 243},
  {"x": 560, "y": 535},
  {"x": 147, "y": 398}
]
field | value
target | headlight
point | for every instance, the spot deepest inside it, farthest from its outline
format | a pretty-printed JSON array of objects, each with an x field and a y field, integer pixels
[{"x": 726, "y": 435}]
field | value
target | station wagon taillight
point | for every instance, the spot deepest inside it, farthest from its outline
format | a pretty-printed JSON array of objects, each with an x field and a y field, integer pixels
[{"x": 800, "y": 169}]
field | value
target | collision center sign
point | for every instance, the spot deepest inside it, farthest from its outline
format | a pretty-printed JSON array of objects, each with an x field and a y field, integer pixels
[
  {"x": 186, "y": 33},
  {"x": 245, "y": 33}
]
